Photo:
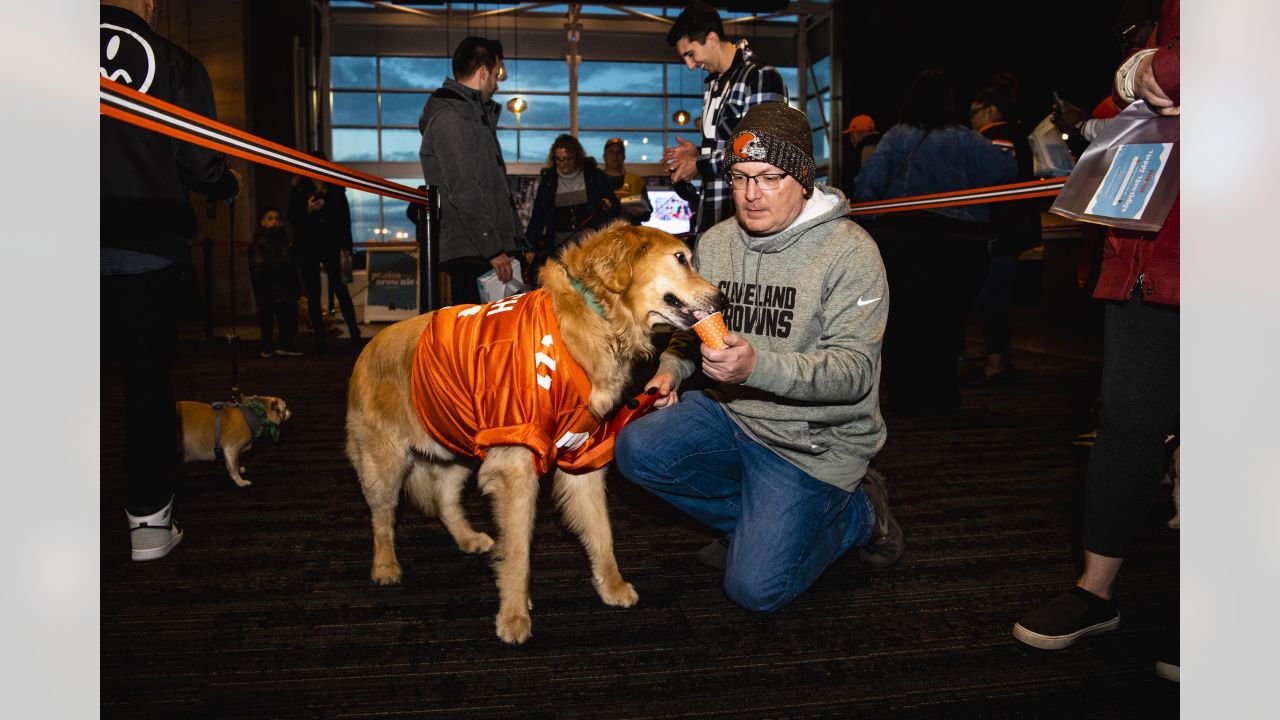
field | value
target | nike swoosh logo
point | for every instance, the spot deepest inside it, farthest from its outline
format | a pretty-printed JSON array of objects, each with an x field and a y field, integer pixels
[{"x": 862, "y": 302}]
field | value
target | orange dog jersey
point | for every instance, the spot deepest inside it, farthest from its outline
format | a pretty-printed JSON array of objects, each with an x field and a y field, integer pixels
[{"x": 499, "y": 374}]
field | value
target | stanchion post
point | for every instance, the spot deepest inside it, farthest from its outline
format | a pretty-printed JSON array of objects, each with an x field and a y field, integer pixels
[{"x": 428, "y": 250}]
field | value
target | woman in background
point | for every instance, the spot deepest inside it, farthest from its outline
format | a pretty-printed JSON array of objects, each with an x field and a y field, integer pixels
[
  {"x": 573, "y": 196},
  {"x": 321, "y": 219},
  {"x": 935, "y": 259}
]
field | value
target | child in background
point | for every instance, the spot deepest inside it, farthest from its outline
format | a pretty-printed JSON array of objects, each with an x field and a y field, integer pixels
[{"x": 275, "y": 283}]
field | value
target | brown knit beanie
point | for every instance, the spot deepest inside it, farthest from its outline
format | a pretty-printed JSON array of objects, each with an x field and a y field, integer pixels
[{"x": 774, "y": 133}]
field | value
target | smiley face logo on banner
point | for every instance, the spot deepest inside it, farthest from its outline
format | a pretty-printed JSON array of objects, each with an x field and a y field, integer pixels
[{"x": 126, "y": 57}]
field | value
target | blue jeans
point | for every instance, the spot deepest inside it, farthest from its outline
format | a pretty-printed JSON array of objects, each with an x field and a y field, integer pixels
[{"x": 785, "y": 526}]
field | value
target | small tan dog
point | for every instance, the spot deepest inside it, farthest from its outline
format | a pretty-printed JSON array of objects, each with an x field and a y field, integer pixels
[
  {"x": 233, "y": 428},
  {"x": 606, "y": 293},
  {"x": 332, "y": 323}
]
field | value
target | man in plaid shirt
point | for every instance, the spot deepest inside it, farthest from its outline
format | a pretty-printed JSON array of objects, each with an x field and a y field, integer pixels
[{"x": 734, "y": 84}]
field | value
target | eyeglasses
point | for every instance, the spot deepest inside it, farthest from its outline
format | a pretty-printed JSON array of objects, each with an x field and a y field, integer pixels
[{"x": 765, "y": 181}]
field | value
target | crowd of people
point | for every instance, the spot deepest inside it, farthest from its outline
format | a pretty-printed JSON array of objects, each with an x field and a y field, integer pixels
[{"x": 772, "y": 445}]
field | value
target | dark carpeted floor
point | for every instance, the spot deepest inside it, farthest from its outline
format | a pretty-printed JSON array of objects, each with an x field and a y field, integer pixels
[{"x": 266, "y": 610}]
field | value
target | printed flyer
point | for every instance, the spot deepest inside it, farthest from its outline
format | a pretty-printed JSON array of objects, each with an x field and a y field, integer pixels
[{"x": 1126, "y": 189}]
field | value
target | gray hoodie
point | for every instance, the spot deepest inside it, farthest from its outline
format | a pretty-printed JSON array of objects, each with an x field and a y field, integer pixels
[
  {"x": 812, "y": 300},
  {"x": 461, "y": 157}
]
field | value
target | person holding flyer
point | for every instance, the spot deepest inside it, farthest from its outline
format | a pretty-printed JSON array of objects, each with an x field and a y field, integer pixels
[{"x": 1139, "y": 284}]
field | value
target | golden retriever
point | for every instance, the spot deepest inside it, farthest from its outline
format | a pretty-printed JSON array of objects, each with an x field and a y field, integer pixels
[{"x": 640, "y": 278}]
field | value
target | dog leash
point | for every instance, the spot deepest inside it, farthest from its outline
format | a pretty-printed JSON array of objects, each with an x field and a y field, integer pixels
[{"x": 234, "y": 338}]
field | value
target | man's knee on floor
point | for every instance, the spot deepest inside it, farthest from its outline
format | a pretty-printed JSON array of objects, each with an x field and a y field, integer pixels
[{"x": 753, "y": 593}]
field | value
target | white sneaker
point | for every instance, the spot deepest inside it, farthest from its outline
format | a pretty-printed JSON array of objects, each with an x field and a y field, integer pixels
[{"x": 155, "y": 535}]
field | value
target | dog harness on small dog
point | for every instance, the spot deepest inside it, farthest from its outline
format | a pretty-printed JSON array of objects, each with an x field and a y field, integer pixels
[
  {"x": 500, "y": 374},
  {"x": 255, "y": 416}
]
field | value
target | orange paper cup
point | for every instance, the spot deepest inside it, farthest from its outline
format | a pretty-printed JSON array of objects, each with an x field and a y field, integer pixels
[{"x": 712, "y": 330}]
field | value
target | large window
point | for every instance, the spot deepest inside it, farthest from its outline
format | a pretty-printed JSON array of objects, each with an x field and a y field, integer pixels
[
  {"x": 376, "y": 102},
  {"x": 818, "y": 108},
  {"x": 375, "y": 218},
  {"x": 381, "y": 76}
]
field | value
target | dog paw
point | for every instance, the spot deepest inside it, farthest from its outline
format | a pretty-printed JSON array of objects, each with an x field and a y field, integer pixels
[
  {"x": 514, "y": 628},
  {"x": 478, "y": 543},
  {"x": 619, "y": 593},
  {"x": 388, "y": 574}
]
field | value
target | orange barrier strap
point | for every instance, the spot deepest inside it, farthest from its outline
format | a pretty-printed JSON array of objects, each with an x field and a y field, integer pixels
[
  {"x": 128, "y": 105},
  {"x": 973, "y": 196}
]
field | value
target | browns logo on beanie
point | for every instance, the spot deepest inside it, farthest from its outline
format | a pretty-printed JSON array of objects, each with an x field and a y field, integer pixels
[{"x": 778, "y": 134}]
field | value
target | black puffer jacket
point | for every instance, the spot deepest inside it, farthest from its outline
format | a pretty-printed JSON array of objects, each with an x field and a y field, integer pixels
[{"x": 271, "y": 268}]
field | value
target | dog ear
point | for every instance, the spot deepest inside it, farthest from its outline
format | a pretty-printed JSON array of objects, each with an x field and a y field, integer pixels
[
  {"x": 614, "y": 274},
  {"x": 615, "y": 268}
]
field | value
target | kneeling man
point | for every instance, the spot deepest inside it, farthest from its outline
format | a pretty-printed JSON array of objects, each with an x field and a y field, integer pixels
[{"x": 775, "y": 453}]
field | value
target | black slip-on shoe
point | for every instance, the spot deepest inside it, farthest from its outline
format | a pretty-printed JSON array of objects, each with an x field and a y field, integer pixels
[{"x": 1065, "y": 619}]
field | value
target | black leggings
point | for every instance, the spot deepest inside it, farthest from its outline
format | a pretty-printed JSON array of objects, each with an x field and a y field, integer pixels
[
  {"x": 140, "y": 316},
  {"x": 1139, "y": 409},
  {"x": 310, "y": 271},
  {"x": 282, "y": 313}
]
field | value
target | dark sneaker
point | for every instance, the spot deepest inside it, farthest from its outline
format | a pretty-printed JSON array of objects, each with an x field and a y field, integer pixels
[
  {"x": 887, "y": 542},
  {"x": 715, "y": 554},
  {"x": 1065, "y": 619}
]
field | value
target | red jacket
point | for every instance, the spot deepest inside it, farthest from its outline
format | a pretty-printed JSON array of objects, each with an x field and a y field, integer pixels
[
  {"x": 1131, "y": 257},
  {"x": 500, "y": 374}
]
